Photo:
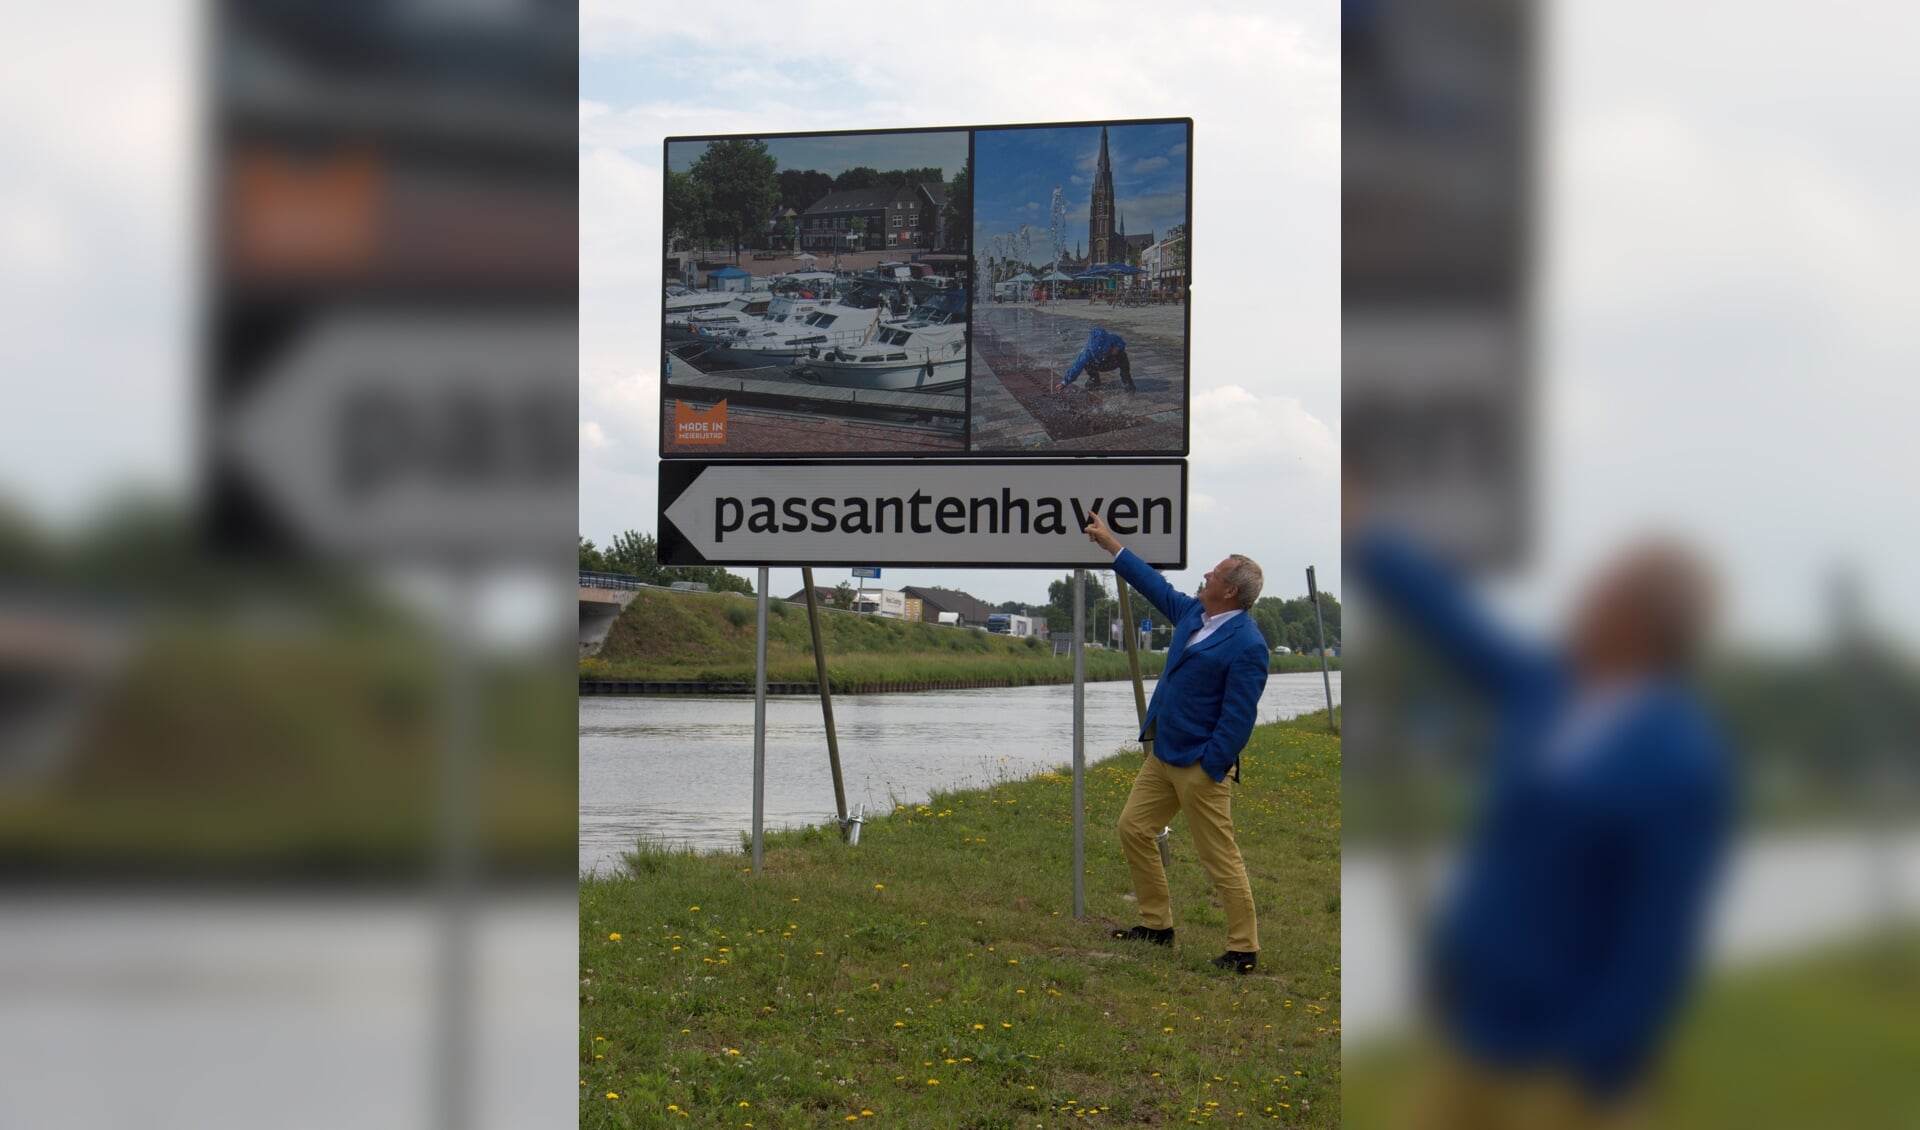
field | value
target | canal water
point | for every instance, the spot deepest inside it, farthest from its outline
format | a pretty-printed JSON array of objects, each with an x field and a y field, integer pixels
[{"x": 680, "y": 770}]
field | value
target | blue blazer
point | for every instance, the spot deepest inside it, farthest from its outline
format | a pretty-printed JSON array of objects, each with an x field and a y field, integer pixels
[
  {"x": 1576, "y": 919},
  {"x": 1204, "y": 706}
]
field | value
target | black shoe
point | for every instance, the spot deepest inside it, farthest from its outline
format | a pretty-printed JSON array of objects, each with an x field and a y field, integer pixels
[
  {"x": 1236, "y": 961},
  {"x": 1146, "y": 934}
]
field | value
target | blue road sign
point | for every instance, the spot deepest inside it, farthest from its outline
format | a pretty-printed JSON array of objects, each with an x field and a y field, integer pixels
[{"x": 872, "y": 571}]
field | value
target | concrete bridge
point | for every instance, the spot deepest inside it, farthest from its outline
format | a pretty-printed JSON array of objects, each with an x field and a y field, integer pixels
[{"x": 603, "y": 596}]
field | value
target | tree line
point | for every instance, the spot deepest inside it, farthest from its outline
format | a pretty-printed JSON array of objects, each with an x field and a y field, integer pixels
[
  {"x": 1284, "y": 622},
  {"x": 637, "y": 555}
]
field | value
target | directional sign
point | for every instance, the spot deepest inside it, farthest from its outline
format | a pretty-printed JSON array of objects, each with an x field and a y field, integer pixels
[
  {"x": 407, "y": 436},
  {"x": 921, "y": 512},
  {"x": 871, "y": 572}
]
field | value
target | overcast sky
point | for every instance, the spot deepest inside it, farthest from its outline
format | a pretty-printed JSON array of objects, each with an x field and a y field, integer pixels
[
  {"x": 1731, "y": 220},
  {"x": 1266, "y": 402}
]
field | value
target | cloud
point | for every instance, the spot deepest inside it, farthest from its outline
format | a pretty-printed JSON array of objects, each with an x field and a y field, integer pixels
[
  {"x": 592, "y": 436},
  {"x": 1148, "y": 165},
  {"x": 1232, "y": 425}
]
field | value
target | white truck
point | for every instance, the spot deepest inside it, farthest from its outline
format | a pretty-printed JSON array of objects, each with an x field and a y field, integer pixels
[{"x": 1011, "y": 624}]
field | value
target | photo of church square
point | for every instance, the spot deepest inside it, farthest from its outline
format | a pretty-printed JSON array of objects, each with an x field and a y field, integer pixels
[{"x": 1080, "y": 316}]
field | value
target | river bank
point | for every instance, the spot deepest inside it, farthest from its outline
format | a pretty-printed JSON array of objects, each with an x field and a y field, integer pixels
[
  {"x": 935, "y": 976},
  {"x": 707, "y": 639},
  {"x": 680, "y": 768}
]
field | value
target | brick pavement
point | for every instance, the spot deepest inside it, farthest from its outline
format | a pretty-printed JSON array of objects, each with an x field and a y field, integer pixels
[
  {"x": 761, "y": 431},
  {"x": 1020, "y": 350}
]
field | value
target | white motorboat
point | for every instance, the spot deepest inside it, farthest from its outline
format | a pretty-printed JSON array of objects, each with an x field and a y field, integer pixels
[
  {"x": 815, "y": 328},
  {"x": 719, "y": 321},
  {"x": 926, "y": 351},
  {"x": 681, "y": 301}
]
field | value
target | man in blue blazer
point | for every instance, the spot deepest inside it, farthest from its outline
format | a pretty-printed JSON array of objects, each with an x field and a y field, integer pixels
[
  {"x": 1575, "y": 921},
  {"x": 1200, "y": 718}
]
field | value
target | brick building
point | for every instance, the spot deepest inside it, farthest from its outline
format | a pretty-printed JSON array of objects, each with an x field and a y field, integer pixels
[{"x": 901, "y": 215}]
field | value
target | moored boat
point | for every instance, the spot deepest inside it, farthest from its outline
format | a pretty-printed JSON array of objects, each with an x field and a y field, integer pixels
[{"x": 926, "y": 351}]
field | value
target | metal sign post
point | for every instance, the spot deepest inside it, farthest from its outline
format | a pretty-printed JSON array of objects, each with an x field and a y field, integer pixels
[
  {"x": 1320, "y": 624},
  {"x": 760, "y": 721},
  {"x": 826, "y": 696},
  {"x": 1079, "y": 743}
]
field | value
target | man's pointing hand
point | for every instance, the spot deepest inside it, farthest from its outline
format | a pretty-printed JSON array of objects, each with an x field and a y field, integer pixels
[{"x": 1098, "y": 534}]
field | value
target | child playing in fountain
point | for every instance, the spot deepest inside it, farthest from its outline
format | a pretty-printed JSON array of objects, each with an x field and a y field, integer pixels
[{"x": 1104, "y": 353}]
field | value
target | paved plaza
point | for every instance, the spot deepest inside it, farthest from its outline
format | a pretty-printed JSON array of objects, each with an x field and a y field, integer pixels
[{"x": 1020, "y": 350}]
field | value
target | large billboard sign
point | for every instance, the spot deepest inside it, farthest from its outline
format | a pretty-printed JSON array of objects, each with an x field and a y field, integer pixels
[
  {"x": 960, "y": 293},
  {"x": 972, "y": 513},
  {"x": 1436, "y": 367}
]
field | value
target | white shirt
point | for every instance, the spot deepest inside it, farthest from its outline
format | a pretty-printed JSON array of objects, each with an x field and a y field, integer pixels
[
  {"x": 1208, "y": 624},
  {"x": 1593, "y": 716}
]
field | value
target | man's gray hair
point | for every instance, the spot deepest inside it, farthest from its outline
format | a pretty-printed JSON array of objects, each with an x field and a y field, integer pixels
[{"x": 1246, "y": 576}]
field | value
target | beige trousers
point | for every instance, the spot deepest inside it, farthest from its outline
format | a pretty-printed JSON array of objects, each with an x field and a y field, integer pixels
[
  {"x": 1159, "y": 791},
  {"x": 1458, "y": 1094}
]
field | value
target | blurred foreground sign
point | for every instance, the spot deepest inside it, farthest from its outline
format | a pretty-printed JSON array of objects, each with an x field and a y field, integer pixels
[
  {"x": 410, "y": 436},
  {"x": 391, "y": 247},
  {"x": 920, "y": 512},
  {"x": 1435, "y": 270}
]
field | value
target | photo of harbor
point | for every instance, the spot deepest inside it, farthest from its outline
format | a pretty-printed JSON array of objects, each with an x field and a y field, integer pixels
[
  {"x": 1081, "y": 260},
  {"x": 817, "y": 295}
]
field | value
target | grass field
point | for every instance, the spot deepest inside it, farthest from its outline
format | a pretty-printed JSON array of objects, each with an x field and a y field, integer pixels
[
  {"x": 224, "y": 750},
  {"x": 1828, "y": 1039},
  {"x": 934, "y": 975},
  {"x": 708, "y": 637}
]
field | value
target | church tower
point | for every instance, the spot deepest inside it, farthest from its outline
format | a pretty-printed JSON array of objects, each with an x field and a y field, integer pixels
[{"x": 1102, "y": 247}]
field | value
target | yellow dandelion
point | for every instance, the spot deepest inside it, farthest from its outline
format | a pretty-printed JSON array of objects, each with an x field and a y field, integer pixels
[
  {"x": 613, "y": 1094},
  {"x": 613, "y": 937}
]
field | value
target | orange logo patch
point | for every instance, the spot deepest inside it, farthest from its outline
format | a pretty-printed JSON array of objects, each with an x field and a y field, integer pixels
[{"x": 698, "y": 425}]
